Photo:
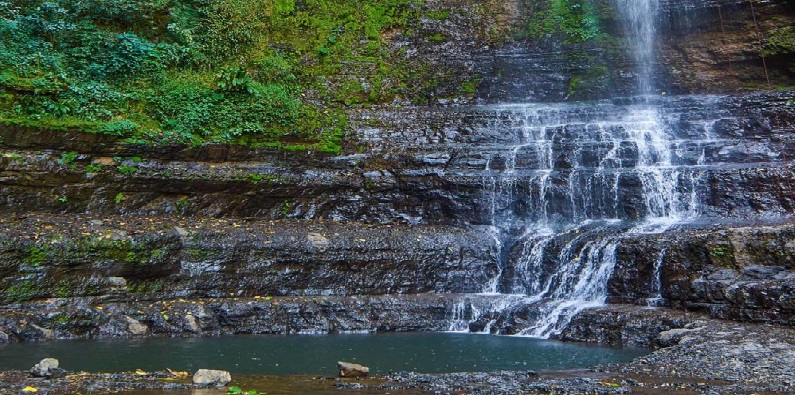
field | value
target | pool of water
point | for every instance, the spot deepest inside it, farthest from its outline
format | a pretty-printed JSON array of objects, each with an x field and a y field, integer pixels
[{"x": 317, "y": 354}]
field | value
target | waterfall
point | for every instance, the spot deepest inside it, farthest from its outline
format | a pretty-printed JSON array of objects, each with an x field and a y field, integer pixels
[
  {"x": 579, "y": 179},
  {"x": 656, "y": 297},
  {"x": 639, "y": 17}
]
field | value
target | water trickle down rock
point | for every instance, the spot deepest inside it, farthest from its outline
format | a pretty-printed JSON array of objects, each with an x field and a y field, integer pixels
[{"x": 579, "y": 179}]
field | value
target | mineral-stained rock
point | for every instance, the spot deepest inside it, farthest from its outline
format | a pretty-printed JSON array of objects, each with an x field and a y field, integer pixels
[
  {"x": 348, "y": 369},
  {"x": 211, "y": 377}
]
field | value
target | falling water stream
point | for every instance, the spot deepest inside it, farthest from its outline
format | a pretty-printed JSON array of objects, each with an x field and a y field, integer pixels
[{"x": 580, "y": 178}]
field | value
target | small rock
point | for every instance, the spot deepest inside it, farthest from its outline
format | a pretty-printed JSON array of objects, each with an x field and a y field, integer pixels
[
  {"x": 57, "y": 373},
  {"x": 117, "y": 284},
  {"x": 41, "y": 333},
  {"x": 181, "y": 232},
  {"x": 674, "y": 336},
  {"x": 192, "y": 324},
  {"x": 3, "y": 337},
  {"x": 318, "y": 241},
  {"x": 42, "y": 369},
  {"x": 348, "y": 369},
  {"x": 210, "y": 377},
  {"x": 135, "y": 327}
]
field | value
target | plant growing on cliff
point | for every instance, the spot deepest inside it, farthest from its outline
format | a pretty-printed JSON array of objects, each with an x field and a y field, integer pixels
[
  {"x": 240, "y": 71},
  {"x": 577, "y": 20},
  {"x": 68, "y": 158},
  {"x": 94, "y": 168},
  {"x": 781, "y": 42},
  {"x": 126, "y": 170}
]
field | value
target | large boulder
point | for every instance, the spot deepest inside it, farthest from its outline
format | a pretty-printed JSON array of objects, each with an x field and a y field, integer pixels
[
  {"x": 211, "y": 377},
  {"x": 348, "y": 369},
  {"x": 45, "y": 367}
]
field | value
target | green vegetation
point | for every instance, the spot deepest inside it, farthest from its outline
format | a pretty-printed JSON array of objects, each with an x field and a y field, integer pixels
[
  {"x": 239, "y": 391},
  {"x": 258, "y": 72},
  {"x": 719, "y": 251},
  {"x": 39, "y": 254},
  {"x": 126, "y": 170},
  {"x": 781, "y": 42},
  {"x": 577, "y": 20},
  {"x": 21, "y": 291},
  {"x": 182, "y": 205},
  {"x": 68, "y": 158},
  {"x": 94, "y": 168},
  {"x": 14, "y": 157},
  {"x": 439, "y": 15},
  {"x": 254, "y": 178}
]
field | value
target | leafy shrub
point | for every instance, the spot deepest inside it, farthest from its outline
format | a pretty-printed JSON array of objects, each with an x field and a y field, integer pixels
[
  {"x": 578, "y": 20},
  {"x": 246, "y": 71}
]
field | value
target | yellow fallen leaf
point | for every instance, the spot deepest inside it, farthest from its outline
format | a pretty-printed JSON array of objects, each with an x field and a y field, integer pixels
[
  {"x": 29, "y": 389},
  {"x": 140, "y": 372}
]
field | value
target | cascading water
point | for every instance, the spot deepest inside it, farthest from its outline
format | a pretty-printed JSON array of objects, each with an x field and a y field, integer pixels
[
  {"x": 639, "y": 18},
  {"x": 580, "y": 178}
]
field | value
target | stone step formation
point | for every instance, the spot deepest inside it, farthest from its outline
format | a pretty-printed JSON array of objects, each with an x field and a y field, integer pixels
[{"x": 502, "y": 218}]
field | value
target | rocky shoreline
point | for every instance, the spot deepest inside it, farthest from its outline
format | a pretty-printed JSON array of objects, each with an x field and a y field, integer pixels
[{"x": 694, "y": 354}]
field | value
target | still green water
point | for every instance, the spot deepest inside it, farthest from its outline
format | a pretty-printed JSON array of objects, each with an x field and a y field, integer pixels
[{"x": 317, "y": 354}]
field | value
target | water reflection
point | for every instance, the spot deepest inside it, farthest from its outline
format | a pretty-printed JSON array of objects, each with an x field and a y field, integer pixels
[{"x": 317, "y": 354}]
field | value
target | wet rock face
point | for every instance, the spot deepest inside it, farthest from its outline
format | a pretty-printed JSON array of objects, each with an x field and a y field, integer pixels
[
  {"x": 719, "y": 46},
  {"x": 744, "y": 273},
  {"x": 145, "y": 258},
  {"x": 449, "y": 166},
  {"x": 411, "y": 206},
  {"x": 92, "y": 318}
]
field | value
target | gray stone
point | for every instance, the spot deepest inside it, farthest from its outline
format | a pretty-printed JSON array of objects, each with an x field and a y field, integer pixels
[
  {"x": 135, "y": 327},
  {"x": 42, "y": 333},
  {"x": 761, "y": 272},
  {"x": 674, "y": 336},
  {"x": 318, "y": 241},
  {"x": 42, "y": 369},
  {"x": 211, "y": 377},
  {"x": 181, "y": 232},
  {"x": 192, "y": 324},
  {"x": 348, "y": 369},
  {"x": 117, "y": 284},
  {"x": 3, "y": 337}
]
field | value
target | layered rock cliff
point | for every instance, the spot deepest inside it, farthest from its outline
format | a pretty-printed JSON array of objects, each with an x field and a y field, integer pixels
[{"x": 399, "y": 230}]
